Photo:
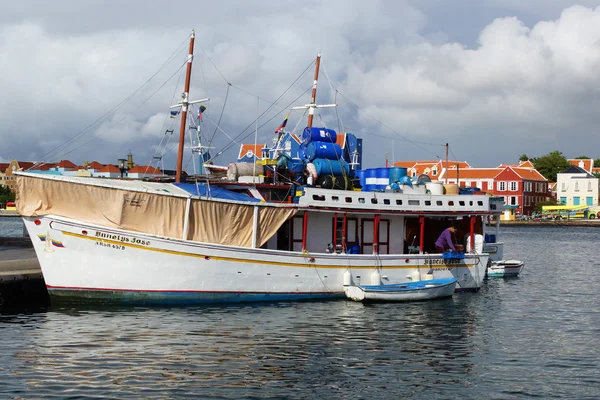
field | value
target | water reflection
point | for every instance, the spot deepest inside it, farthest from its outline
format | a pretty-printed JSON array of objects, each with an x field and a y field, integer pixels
[{"x": 532, "y": 336}]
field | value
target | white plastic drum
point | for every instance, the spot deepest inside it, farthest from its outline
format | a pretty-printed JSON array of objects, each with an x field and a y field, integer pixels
[{"x": 436, "y": 188}]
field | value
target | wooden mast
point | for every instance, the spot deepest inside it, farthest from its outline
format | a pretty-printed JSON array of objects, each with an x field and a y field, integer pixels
[
  {"x": 313, "y": 97},
  {"x": 184, "y": 108}
]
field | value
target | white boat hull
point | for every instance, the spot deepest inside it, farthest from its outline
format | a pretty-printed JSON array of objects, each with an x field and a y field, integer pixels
[
  {"x": 86, "y": 263},
  {"x": 426, "y": 291},
  {"x": 505, "y": 268}
]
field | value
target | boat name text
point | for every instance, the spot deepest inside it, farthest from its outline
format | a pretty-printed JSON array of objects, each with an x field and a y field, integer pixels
[{"x": 122, "y": 239}]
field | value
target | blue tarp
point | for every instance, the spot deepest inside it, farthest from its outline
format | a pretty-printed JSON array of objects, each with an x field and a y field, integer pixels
[{"x": 215, "y": 192}]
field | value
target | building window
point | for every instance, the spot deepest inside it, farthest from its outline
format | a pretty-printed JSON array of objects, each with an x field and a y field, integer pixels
[
  {"x": 434, "y": 171},
  {"x": 513, "y": 200},
  {"x": 563, "y": 187},
  {"x": 513, "y": 186},
  {"x": 563, "y": 200},
  {"x": 589, "y": 186},
  {"x": 501, "y": 186}
]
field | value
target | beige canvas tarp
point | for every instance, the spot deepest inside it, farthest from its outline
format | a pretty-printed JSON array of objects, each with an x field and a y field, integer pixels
[
  {"x": 109, "y": 207},
  {"x": 233, "y": 224},
  {"x": 161, "y": 215}
]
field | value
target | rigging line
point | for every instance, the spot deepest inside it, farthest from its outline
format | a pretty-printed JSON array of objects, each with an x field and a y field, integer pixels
[
  {"x": 169, "y": 59},
  {"x": 227, "y": 147},
  {"x": 95, "y": 137},
  {"x": 385, "y": 126},
  {"x": 167, "y": 116},
  {"x": 221, "y": 116},
  {"x": 337, "y": 114},
  {"x": 211, "y": 61},
  {"x": 284, "y": 92},
  {"x": 220, "y": 129}
]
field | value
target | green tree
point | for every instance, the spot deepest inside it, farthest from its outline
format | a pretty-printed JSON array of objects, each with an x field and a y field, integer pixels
[
  {"x": 551, "y": 164},
  {"x": 6, "y": 195},
  {"x": 582, "y": 158},
  {"x": 523, "y": 157},
  {"x": 596, "y": 162}
]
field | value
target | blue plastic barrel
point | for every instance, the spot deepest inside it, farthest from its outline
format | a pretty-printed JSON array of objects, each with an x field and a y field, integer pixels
[
  {"x": 360, "y": 174},
  {"x": 383, "y": 178},
  {"x": 370, "y": 177},
  {"x": 331, "y": 167},
  {"x": 302, "y": 152},
  {"x": 329, "y": 151},
  {"x": 396, "y": 173},
  {"x": 369, "y": 188},
  {"x": 318, "y": 135}
]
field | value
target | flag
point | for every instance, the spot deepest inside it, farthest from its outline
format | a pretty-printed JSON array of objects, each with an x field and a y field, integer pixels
[
  {"x": 174, "y": 113},
  {"x": 283, "y": 124},
  {"x": 200, "y": 111}
]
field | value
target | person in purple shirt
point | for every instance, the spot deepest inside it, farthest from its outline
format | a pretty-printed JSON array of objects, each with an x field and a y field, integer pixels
[{"x": 444, "y": 242}]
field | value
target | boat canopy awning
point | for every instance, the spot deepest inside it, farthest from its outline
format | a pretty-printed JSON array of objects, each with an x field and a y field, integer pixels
[{"x": 215, "y": 192}]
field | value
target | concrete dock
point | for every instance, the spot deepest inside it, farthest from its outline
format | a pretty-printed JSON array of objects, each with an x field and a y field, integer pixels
[{"x": 21, "y": 280}]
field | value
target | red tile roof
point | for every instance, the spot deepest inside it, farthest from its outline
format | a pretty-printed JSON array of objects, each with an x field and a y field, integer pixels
[
  {"x": 586, "y": 164},
  {"x": 66, "y": 164},
  {"x": 95, "y": 165},
  {"x": 255, "y": 149},
  {"x": 109, "y": 168},
  {"x": 144, "y": 169},
  {"x": 530, "y": 174}
]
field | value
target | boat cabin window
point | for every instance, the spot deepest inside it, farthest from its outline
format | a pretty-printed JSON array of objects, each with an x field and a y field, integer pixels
[
  {"x": 427, "y": 202},
  {"x": 318, "y": 197},
  {"x": 414, "y": 202},
  {"x": 386, "y": 201},
  {"x": 461, "y": 203},
  {"x": 373, "y": 201},
  {"x": 361, "y": 200},
  {"x": 450, "y": 203},
  {"x": 348, "y": 199},
  {"x": 335, "y": 198},
  {"x": 480, "y": 203},
  {"x": 439, "y": 203},
  {"x": 398, "y": 202}
]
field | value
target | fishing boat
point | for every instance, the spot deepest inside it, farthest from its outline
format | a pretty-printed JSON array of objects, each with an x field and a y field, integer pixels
[
  {"x": 406, "y": 291},
  {"x": 297, "y": 226},
  {"x": 505, "y": 268}
]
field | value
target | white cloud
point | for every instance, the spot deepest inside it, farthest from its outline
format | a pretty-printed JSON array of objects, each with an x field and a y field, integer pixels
[{"x": 64, "y": 67}]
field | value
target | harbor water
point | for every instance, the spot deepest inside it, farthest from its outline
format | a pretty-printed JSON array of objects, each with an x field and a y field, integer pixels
[{"x": 536, "y": 336}]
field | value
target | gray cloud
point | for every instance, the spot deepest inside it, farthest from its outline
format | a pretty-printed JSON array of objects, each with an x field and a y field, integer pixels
[{"x": 494, "y": 79}]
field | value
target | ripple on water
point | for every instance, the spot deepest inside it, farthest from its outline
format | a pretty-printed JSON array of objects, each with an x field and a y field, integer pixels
[{"x": 534, "y": 336}]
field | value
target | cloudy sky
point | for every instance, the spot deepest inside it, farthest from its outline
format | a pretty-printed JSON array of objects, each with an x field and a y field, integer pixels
[{"x": 93, "y": 80}]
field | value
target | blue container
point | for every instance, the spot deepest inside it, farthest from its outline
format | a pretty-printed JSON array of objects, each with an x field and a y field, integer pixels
[
  {"x": 405, "y": 180},
  {"x": 360, "y": 174},
  {"x": 490, "y": 238},
  {"x": 370, "y": 177},
  {"x": 354, "y": 249},
  {"x": 369, "y": 188},
  {"x": 302, "y": 152},
  {"x": 318, "y": 135},
  {"x": 383, "y": 178},
  {"x": 329, "y": 151},
  {"x": 331, "y": 167},
  {"x": 396, "y": 173}
]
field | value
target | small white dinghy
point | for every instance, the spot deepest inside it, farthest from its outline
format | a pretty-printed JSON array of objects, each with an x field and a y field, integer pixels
[
  {"x": 407, "y": 291},
  {"x": 505, "y": 268}
]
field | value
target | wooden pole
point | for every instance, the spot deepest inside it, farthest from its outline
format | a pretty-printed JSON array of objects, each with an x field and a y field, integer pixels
[
  {"x": 313, "y": 97},
  {"x": 184, "y": 108}
]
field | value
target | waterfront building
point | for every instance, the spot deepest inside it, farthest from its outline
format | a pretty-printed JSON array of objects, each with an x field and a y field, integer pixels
[
  {"x": 14, "y": 165},
  {"x": 577, "y": 187}
]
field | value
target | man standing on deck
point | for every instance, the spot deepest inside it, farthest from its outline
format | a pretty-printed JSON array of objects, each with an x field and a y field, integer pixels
[{"x": 444, "y": 242}]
